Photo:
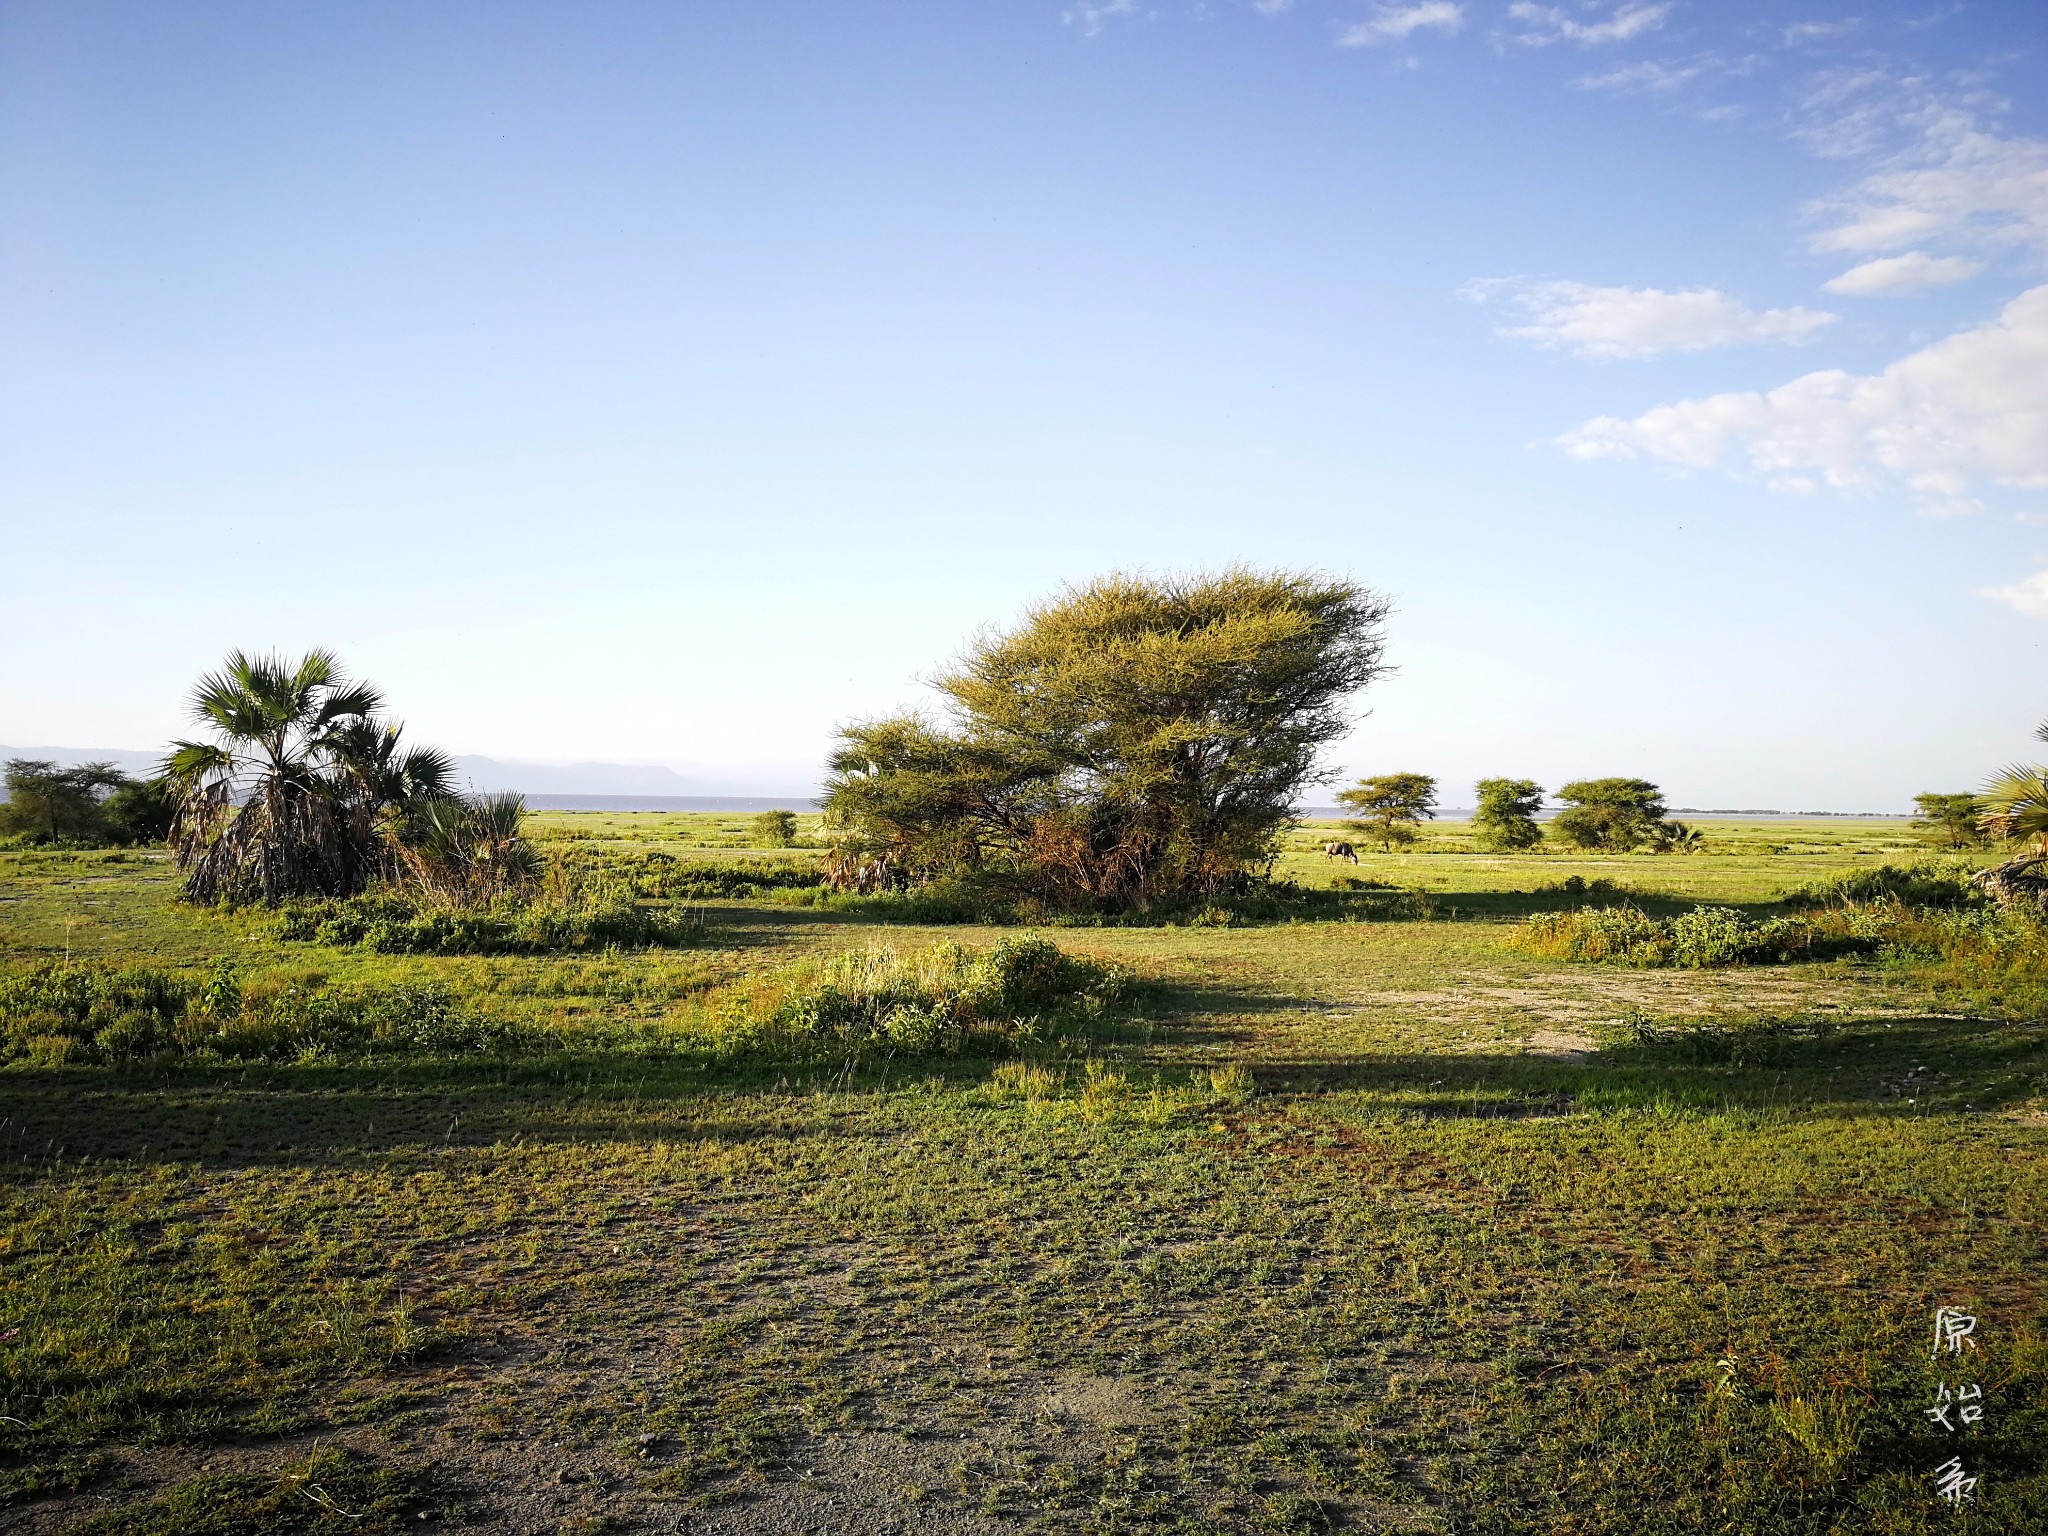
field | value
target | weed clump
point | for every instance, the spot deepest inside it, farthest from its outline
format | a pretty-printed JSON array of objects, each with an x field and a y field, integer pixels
[
  {"x": 392, "y": 923},
  {"x": 1700, "y": 939},
  {"x": 1940, "y": 883},
  {"x": 941, "y": 1000},
  {"x": 84, "y": 1014}
]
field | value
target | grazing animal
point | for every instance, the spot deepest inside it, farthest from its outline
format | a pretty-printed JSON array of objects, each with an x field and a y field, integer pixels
[{"x": 1340, "y": 851}]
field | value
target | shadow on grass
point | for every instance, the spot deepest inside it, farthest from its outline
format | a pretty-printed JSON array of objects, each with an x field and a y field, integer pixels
[
  {"x": 767, "y": 922},
  {"x": 312, "y": 1114},
  {"x": 1890, "y": 1067}
]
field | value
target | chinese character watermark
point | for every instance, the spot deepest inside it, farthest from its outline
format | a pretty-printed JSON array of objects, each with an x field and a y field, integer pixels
[
  {"x": 1951, "y": 1484},
  {"x": 1955, "y": 1408},
  {"x": 1953, "y": 1330},
  {"x": 1967, "y": 1401}
]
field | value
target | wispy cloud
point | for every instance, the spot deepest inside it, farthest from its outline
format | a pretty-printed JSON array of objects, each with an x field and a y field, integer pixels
[
  {"x": 1640, "y": 322},
  {"x": 1968, "y": 409},
  {"x": 1910, "y": 273},
  {"x": 1091, "y": 19},
  {"x": 1646, "y": 78},
  {"x": 1393, "y": 23},
  {"x": 1548, "y": 24},
  {"x": 2028, "y": 595},
  {"x": 1956, "y": 182},
  {"x": 1806, "y": 33}
]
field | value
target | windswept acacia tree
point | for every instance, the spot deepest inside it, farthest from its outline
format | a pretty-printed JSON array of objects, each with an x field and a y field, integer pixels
[
  {"x": 1134, "y": 740},
  {"x": 296, "y": 792},
  {"x": 1391, "y": 806}
]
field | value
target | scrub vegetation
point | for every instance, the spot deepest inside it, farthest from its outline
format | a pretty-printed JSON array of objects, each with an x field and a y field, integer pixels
[
  {"x": 825, "y": 1220},
  {"x": 1053, "y": 1133}
]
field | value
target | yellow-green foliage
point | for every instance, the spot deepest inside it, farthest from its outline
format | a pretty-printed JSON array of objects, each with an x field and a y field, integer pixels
[
  {"x": 85, "y": 1013},
  {"x": 941, "y": 999}
]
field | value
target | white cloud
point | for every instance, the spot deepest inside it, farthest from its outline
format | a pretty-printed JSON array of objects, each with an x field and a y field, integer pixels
[
  {"x": 2029, "y": 595},
  {"x": 1554, "y": 24},
  {"x": 1092, "y": 18},
  {"x": 1391, "y": 23},
  {"x": 1956, "y": 182},
  {"x": 1970, "y": 408},
  {"x": 1646, "y": 77},
  {"x": 1903, "y": 274},
  {"x": 1272, "y": 7},
  {"x": 1818, "y": 31},
  {"x": 1640, "y": 322}
]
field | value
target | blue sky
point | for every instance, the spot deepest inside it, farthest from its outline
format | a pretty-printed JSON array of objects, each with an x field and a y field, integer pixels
[{"x": 668, "y": 383}]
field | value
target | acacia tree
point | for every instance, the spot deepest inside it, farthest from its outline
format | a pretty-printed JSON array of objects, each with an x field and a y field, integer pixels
[
  {"x": 295, "y": 792},
  {"x": 1953, "y": 817},
  {"x": 1390, "y": 807},
  {"x": 1506, "y": 818},
  {"x": 48, "y": 804},
  {"x": 1613, "y": 814},
  {"x": 1133, "y": 740}
]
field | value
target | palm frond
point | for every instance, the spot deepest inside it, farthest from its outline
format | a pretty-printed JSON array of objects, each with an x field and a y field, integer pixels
[{"x": 2015, "y": 804}]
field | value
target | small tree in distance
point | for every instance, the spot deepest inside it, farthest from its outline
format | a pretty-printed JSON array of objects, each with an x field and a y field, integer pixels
[
  {"x": 1391, "y": 806},
  {"x": 1951, "y": 817},
  {"x": 775, "y": 829},
  {"x": 1506, "y": 819},
  {"x": 1610, "y": 814}
]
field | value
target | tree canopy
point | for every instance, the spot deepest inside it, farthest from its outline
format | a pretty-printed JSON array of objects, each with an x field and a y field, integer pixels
[
  {"x": 1614, "y": 814},
  {"x": 302, "y": 789},
  {"x": 1952, "y": 818},
  {"x": 1391, "y": 806},
  {"x": 1132, "y": 740},
  {"x": 1506, "y": 818},
  {"x": 93, "y": 803}
]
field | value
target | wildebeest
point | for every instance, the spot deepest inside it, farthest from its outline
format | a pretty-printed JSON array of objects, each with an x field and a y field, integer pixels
[{"x": 1340, "y": 851}]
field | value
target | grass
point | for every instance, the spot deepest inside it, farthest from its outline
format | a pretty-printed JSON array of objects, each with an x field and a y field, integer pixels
[{"x": 1383, "y": 1224}]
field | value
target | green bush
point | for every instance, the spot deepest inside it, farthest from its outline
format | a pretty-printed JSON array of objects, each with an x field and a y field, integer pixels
[
  {"x": 655, "y": 876},
  {"x": 1936, "y": 883},
  {"x": 945, "y": 999},
  {"x": 391, "y": 923},
  {"x": 1595, "y": 934},
  {"x": 83, "y": 1014},
  {"x": 775, "y": 829},
  {"x": 1978, "y": 939}
]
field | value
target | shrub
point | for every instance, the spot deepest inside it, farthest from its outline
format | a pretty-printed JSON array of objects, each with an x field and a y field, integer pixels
[
  {"x": 393, "y": 923},
  {"x": 1980, "y": 938},
  {"x": 941, "y": 1000},
  {"x": 775, "y": 829},
  {"x": 78, "y": 1014},
  {"x": 1937, "y": 883},
  {"x": 1596, "y": 934},
  {"x": 655, "y": 876}
]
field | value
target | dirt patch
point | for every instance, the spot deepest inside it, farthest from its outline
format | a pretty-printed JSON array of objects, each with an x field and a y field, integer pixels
[{"x": 1560, "y": 1045}]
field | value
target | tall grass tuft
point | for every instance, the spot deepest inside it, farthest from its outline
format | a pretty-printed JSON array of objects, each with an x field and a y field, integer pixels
[{"x": 941, "y": 1000}]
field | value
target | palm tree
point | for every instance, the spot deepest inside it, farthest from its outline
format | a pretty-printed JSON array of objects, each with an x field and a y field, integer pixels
[
  {"x": 285, "y": 799},
  {"x": 2016, "y": 810},
  {"x": 468, "y": 850},
  {"x": 383, "y": 783}
]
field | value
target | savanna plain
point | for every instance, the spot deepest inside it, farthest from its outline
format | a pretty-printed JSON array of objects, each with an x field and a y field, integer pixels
[{"x": 1361, "y": 1212}]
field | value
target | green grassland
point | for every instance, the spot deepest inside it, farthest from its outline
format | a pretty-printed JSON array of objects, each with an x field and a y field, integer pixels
[{"x": 1337, "y": 1222}]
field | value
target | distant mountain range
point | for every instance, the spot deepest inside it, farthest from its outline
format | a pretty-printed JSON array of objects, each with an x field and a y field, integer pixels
[{"x": 489, "y": 774}]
